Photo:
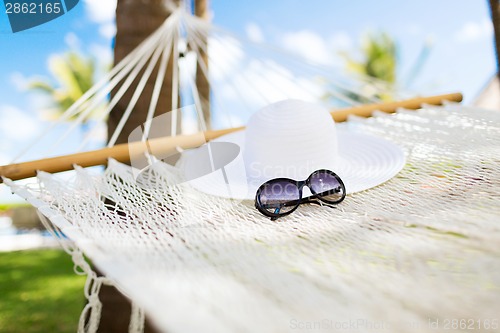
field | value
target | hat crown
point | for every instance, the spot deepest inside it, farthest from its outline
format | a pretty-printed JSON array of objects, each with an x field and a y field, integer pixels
[{"x": 290, "y": 138}]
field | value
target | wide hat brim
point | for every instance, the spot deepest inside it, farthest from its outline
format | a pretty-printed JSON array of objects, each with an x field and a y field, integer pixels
[{"x": 364, "y": 161}]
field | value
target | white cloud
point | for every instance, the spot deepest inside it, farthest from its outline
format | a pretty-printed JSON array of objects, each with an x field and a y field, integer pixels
[
  {"x": 4, "y": 159},
  {"x": 100, "y": 11},
  {"x": 227, "y": 120},
  {"x": 266, "y": 81},
  {"x": 98, "y": 133},
  {"x": 190, "y": 124},
  {"x": 254, "y": 33},
  {"x": 308, "y": 45},
  {"x": 187, "y": 70},
  {"x": 225, "y": 56},
  {"x": 108, "y": 30},
  {"x": 241, "y": 83},
  {"x": 19, "y": 81},
  {"x": 103, "y": 53},
  {"x": 341, "y": 41},
  {"x": 473, "y": 31},
  {"x": 16, "y": 125},
  {"x": 72, "y": 41}
]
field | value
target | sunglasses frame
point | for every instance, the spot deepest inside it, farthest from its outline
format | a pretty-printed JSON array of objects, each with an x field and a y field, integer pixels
[{"x": 300, "y": 185}]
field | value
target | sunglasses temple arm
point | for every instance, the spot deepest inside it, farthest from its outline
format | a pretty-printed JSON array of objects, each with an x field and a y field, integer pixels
[
  {"x": 318, "y": 202},
  {"x": 293, "y": 203},
  {"x": 302, "y": 201},
  {"x": 286, "y": 204}
]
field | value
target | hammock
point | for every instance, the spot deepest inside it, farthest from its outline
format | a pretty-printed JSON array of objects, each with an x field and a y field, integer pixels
[{"x": 419, "y": 251}]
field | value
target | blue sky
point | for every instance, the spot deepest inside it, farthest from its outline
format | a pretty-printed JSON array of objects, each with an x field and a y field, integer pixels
[
  {"x": 459, "y": 32},
  {"x": 461, "y": 57}
]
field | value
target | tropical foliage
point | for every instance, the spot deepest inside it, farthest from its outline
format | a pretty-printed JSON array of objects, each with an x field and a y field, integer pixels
[
  {"x": 379, "y": 58},
  {"x": 73, "y": 74},
  {"x": 378, "y": 61}
]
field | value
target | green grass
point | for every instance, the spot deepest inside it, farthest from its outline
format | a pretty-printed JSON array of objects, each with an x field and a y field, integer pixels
[
  {"x": 7, "y": 206},
  {"x": 39, "y": 292}
]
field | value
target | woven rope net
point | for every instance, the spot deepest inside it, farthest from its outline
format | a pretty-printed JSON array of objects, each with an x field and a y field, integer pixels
[{"x": 421, "y": 248}]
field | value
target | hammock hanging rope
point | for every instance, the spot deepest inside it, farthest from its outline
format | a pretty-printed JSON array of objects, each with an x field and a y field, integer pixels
[{"x": 421, "y": 247}]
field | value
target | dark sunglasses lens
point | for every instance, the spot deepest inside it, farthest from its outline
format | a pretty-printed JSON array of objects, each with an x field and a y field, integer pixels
[
  {"x": 327, "y": 186},
  {"x": 278, "y": 197}
]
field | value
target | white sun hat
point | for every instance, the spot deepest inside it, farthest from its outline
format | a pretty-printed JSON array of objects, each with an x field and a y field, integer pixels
[{"x": 290, "y": 139}]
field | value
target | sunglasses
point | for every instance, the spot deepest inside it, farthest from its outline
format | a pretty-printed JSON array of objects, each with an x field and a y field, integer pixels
[{"x": 281, "y": 196}]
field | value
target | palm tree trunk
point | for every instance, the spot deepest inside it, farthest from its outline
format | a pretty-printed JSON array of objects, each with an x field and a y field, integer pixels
[
  {"x": 202, "y": 84},
  {"x": 135, "y": 20},
  {"x": 495, "y": 18}
]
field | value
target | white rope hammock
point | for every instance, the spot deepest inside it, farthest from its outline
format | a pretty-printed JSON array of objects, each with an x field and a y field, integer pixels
[{"x": 423, "y": 246}]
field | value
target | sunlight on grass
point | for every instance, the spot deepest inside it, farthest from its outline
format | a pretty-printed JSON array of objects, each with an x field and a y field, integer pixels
[
  {"x": 39, "y": 292},
  {"x": 7, "y": 206}
]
